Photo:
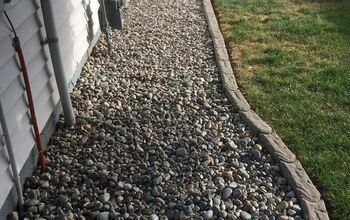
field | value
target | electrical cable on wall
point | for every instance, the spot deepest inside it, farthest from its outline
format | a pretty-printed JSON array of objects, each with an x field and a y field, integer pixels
[{"x": 17, "y": 45}]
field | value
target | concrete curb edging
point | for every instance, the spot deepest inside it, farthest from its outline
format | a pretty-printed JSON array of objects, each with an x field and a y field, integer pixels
[{"x": 313, "y": 206}]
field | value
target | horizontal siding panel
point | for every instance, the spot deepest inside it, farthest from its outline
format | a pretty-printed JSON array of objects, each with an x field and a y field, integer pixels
[
  {"x": 6, "y": 184},
  {"x": 18, "y": 15},
  {"x": 72, "y": 29},
  {"x": 41, "y": 87},
  {"x": 45, "y": 101},
  {"x": 40, "y": 82},
  {"x": 23, "y": 36},
  {"x": 34, "y": 67},
  {"x": 71, "y": 63},
  {"x": 58, "y": 4},
  {"x": 46, "y": 111},
  {"x": 36, "y": 64},
  {"x": 16, "y": 88},
  {"x": 42, "y": 98},
  {"x": 20, "y": 136},
  {"x": 21, "y": 128},
  {"x": 96, "y": 25},
  {"x": 74, "y": 54},
  {"x": 12, "y": 4},
  {"x": 26, "y": 30},
  {"x": 12, "y": 94},
  {"x": 16, "y": 114},
  {"x": 73, "y": 38},
  {"x": 64, "y": 13},
  {"x": 32, "y": 48},
  {"x": 30, "y": 51},
  {"x": 94, "y": 6},
  {"x": 29, "y": 28},
  {"x": 24, "y": 128},
  {"x": 1, "y": 139},
  {"x": 9, "y": 72},
  {"x": 4, "y": 161},
  {"x": 32, "y": 59},
  {"x": 70, "y": 33},
  {"x": 23, "y": 150},
  {"x": 6, "y": 45}
]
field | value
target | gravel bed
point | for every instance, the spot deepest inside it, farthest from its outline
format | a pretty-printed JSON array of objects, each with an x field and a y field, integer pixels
[{"x": 155, "y": 136}]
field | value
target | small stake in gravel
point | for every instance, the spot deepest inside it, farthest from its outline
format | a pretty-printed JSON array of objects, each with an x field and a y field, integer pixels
[
  {"x": 104, "y": 24},
  {"x": 111, "y": 16}
]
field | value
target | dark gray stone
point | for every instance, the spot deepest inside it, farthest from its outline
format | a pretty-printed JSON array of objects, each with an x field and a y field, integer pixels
[
  {"x": 226, "y": 193},
  {"x": 181, "y": 152}
]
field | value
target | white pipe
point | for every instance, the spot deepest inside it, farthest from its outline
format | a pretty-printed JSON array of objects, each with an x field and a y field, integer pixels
[
  {"x": 56, "y": 58},
  {"x": 13, "y": 163}
]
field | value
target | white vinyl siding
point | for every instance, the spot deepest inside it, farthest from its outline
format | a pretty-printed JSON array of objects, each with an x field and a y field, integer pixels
[
  {"x": 77, "y": 24},
  {"x": 73, "y": 30}
]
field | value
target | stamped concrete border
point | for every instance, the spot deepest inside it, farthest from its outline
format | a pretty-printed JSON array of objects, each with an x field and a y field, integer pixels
[{"x": 312, "y": 204}]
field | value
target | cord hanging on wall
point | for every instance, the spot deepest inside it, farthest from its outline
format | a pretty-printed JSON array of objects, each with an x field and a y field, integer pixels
[{"x": 17, "y": 46}]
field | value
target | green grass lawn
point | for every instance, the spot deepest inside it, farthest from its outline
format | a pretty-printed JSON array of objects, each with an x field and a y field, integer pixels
[{"x": 292, "y": 61}]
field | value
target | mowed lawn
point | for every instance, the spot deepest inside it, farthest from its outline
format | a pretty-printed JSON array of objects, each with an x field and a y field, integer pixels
[{"x": 292, "y": 61}]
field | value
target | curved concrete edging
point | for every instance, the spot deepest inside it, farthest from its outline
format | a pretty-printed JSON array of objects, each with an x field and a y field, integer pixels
[{"x": 313, "y": 206}]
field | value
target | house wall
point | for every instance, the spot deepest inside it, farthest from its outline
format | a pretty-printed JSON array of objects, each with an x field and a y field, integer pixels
[{"x": 78, "y": 28}]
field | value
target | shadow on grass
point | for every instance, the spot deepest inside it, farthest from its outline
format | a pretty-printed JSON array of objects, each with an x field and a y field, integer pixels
[{"x": 335, "y": 11}]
